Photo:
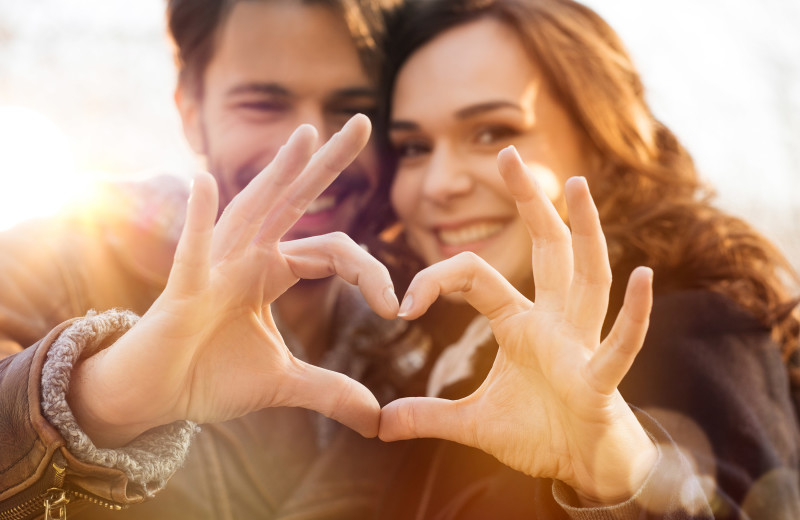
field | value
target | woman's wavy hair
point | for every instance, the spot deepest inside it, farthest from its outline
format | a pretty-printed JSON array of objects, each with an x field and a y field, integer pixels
[{"x": 653, "y": 208}]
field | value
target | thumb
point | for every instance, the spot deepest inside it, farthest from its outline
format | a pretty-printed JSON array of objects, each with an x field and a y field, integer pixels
[
  {"x": 333, "y": 395},
  {"x": 191, "y": 264},
  {"x": 414, "y": 417}
]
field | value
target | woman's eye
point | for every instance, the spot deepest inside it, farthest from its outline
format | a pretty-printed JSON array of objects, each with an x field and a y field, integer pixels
[
  {"x": 411, "y": 149},
  {"x": 492, "y": 134}
]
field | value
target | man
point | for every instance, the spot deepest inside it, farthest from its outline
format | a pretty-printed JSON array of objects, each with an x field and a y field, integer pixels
[{"x": 207, "y": 348}]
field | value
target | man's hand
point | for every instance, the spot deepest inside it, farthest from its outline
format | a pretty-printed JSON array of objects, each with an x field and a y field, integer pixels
[{"x": 208, "y": 350}]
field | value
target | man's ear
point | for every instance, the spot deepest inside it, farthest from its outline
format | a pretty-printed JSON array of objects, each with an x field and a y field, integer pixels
[{"x": 188, "y": 102}]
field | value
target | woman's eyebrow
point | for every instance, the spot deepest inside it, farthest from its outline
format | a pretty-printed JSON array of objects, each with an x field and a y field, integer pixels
[
  {"x": 401, "y": 125},
  {"x": 488, "y": 106}
]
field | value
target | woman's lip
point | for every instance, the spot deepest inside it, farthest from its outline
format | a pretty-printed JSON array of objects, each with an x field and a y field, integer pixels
[{"x": 468, "y": 235}]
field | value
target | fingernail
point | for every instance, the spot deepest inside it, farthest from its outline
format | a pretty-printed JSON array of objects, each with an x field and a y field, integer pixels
[
  {"x": 405, "y": 308},
  {"x": 509, "y": 149},
  {"x": 390, "y": 297}
]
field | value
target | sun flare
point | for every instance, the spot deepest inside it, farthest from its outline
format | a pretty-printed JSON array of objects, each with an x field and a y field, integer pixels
[{"x": 37, "y": 167}]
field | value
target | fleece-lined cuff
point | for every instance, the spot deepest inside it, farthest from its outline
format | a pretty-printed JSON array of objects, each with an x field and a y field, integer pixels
[
  {"x": 150, "y": 459},
  {"x": 671, "y": 490}
]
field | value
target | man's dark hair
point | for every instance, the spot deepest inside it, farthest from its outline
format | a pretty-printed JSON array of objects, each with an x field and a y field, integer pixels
[{"x": 193, "y": 26}]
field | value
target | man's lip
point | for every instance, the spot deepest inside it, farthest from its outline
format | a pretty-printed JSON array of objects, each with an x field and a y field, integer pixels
[{"x": 348, "y": 181}]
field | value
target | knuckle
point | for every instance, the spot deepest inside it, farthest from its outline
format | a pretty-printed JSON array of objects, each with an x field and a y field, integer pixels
[
  {"x": 340, "y": 238},
  {"x": 342, "y": 400},
  {"x": 409, "y": 418},
  {"x": 469, "y": 259}
]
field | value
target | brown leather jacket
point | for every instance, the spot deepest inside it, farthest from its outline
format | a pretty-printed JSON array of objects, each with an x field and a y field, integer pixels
[{"x": 266, "y": 465}]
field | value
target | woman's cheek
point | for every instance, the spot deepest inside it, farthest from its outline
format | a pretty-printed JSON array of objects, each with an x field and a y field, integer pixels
[{"x": 403, "y": 196}]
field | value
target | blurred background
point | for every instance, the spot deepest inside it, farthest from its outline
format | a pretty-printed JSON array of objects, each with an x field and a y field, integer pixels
[{"x": 86, "y": 92}]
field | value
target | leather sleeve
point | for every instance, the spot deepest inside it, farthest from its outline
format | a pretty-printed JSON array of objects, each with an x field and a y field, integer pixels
[
  {"x": 51, "y": 271},
  {"x": 29, "y": 443}
]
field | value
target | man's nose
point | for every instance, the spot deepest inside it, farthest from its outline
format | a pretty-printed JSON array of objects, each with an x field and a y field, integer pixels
[{"x": 315, "y": 116}]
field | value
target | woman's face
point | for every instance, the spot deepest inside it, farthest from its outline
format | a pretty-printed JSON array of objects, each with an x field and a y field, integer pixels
[{"x": 459, "y": 100}]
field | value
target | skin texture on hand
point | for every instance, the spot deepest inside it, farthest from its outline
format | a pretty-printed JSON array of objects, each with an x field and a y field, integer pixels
[
  {"x": 208, "y": 350},
  {"x": 549, "y": 406}
]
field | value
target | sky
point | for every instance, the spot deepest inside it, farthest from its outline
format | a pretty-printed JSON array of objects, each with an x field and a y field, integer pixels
[{"x": 86, "y": 91}]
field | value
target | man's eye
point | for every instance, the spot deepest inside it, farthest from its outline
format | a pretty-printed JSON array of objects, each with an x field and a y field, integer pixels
[
  {"x": 264, "y": 106},
  {"x": 490, "y": 135},
  {"x": 349, "y": 111}
]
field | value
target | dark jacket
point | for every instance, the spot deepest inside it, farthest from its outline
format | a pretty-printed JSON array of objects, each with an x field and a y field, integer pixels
[{"x": 708, "y": 379}]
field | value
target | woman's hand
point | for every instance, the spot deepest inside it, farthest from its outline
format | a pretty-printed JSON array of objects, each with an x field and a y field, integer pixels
[
  {"x": 549, "y": 406},
  {"x": 208, "y": 350}
]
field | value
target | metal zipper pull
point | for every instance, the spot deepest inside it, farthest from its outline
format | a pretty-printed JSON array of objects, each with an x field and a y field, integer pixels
[{"x": 55, "y": 502}]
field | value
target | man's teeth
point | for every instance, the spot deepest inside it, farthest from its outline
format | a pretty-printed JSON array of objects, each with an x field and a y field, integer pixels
[
  {"x": 320, "y": 204},
  {"x": 469, "y": 234}
]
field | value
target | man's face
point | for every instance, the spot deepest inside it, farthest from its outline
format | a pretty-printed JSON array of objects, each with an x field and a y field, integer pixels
[{"x": 275, "y": 66}]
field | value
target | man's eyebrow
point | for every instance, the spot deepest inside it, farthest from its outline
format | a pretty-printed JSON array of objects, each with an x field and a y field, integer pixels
[
  {"x": 276, "y": 89},
  {"x": 473, "y": 110},
  {"x": 273, "y": 89},
  {"x": 352, "y": 92}
]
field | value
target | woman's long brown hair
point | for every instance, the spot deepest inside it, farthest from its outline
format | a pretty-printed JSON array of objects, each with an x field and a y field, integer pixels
[{"x": 653, "y": 207}]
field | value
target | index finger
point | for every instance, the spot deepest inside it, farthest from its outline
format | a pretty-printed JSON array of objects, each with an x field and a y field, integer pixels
[
  {"x": 325, "y": 165},
  {"x": 245, "y": 214},
  {"x": 480, "y": 284}
]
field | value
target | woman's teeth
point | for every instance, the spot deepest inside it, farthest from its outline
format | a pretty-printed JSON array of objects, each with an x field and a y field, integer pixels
[
  {"x": 320, "y": 204},
  {"x": 469, "y": 234}
]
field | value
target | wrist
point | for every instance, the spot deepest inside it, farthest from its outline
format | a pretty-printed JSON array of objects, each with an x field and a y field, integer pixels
[
  {"x": 73, "y": 386},
  {"x": 624, "y": 477},
  {"x": 103, "y": 421}
]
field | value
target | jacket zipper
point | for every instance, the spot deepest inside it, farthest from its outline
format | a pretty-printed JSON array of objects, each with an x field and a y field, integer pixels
[{"x": 52, "y": 497}]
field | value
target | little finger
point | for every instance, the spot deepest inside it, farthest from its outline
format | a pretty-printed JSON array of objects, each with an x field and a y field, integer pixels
[{"x": 616, "y": 353}]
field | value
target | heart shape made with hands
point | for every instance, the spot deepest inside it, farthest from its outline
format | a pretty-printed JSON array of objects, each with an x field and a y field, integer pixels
[{"x": 208, "y": 349}]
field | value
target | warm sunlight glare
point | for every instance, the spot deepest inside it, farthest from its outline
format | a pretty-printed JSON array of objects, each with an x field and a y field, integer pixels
[{"x": 37, "y": 166}]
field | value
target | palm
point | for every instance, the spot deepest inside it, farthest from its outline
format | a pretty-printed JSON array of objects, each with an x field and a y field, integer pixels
[
  {"x": 543, "y": 398},
  {"x": 549, "y": 406}
]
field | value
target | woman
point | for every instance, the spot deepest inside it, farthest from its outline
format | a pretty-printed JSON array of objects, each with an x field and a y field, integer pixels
[{"x": 548, "y": 86}]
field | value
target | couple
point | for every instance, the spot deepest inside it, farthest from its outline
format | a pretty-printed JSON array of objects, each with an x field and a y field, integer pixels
[{"x": 496, "y": 118}]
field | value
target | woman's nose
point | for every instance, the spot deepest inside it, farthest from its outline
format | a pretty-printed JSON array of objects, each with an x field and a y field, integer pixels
[{"x": 447, "y": 176}]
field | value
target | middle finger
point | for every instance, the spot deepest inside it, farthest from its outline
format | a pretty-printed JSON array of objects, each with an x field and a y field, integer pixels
[{"x": 552, "y": 245}]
